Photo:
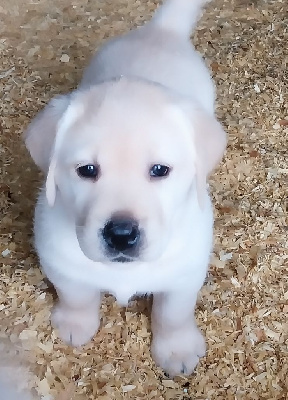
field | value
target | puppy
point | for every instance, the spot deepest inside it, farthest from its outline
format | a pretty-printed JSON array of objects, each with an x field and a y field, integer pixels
[{"x": 125, "y": 208}]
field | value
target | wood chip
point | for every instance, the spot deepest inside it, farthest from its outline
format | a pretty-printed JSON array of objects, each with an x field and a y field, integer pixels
[{"x": 242, "y": 308}]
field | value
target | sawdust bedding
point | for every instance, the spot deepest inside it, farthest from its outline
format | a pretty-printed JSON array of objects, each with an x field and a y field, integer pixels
[{"x": 242, "y": 309}]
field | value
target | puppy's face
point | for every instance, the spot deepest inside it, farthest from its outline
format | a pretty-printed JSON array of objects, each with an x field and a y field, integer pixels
[
  {"x": 125, "y": 171},
  {"x": 123, "y": 165}
]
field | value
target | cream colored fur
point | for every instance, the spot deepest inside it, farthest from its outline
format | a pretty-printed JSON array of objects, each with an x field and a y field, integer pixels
[{"x": 146, "y": 98}]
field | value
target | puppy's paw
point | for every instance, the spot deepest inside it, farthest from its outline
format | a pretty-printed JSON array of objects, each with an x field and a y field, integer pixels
[
  {"x": 178, "y": 351},
  {"x": 75, "y": 327}
]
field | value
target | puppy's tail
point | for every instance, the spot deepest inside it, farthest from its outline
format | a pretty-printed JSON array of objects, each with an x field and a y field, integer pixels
[{"x": 179, "y": 16}]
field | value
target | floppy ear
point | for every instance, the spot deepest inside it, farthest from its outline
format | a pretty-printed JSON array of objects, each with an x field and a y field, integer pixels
[
  {"x": 45, "y": 134},
  {"x": 210, "y": 142},
  {"x": 41, "y": 133},
  {"x": 70, "y": 114}
]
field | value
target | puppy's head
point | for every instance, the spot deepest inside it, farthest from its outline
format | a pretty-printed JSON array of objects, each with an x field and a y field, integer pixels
[{"x": 124, "y": 158}]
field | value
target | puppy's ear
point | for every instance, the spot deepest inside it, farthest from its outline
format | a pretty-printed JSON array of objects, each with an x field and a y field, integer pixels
[
  {"x": 41, "y": 133},
  {"x": 51, "y": 183},
  {"x": 210, "y": 142},
  {"x": 46, "y": 134},
  {"x": 72, "y": 112}
]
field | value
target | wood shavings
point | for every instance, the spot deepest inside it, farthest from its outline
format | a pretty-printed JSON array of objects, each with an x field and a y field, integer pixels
[
  {"x": 243, "y": 307},
  {"x": 67, "y": 394},
  {"x": 64, "y": 58}
]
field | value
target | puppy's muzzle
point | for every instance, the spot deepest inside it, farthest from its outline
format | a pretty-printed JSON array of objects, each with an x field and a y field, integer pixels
[{"x": 122, "y": 238}]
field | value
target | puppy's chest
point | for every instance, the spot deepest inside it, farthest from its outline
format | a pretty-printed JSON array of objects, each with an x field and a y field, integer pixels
[
  {"x": 127, "y": 286},
  {"x": 122, "y": 282},
  {"x": 136, "y": 281},
  {"x": 124, "y": 295}
]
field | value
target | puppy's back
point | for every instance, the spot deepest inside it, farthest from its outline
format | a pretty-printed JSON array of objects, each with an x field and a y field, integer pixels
[{"x": 160, "y": 52}]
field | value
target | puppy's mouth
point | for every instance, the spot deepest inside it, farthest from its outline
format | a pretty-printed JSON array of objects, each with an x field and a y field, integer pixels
[{"x": 122, "y": 259}]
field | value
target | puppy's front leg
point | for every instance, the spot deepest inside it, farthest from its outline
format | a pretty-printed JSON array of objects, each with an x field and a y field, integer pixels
[
  {"x": 177, "y": 342},
  {"x": 76, "y": 316}
]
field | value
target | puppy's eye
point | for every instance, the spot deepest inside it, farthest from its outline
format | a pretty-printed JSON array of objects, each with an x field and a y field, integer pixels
[
  {"x": 89, "y": 171},
  {"x": 159, "y": 171}
]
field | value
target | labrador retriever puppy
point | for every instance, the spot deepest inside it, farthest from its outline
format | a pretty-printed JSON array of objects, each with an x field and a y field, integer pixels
[{"x": 125, "y": 207}]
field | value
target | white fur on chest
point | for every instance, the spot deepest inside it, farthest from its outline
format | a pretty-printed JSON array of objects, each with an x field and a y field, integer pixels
[{"x": 62, "y": 259}]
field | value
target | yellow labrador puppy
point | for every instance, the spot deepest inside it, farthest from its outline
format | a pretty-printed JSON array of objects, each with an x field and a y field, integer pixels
[{"x": 125, "y": 208}]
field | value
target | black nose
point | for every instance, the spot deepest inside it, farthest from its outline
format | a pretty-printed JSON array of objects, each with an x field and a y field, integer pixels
[{"x": 121, "y": 234}]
